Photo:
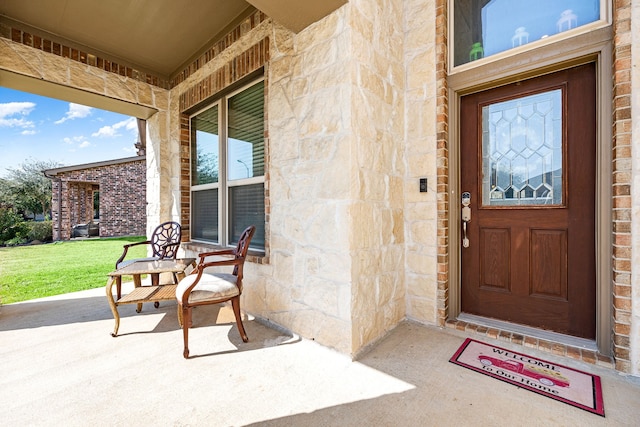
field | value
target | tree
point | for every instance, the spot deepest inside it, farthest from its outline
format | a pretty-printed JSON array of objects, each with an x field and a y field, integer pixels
[
  {"x": 27, "y": 190},
  {"x": 207, "y": 168}
]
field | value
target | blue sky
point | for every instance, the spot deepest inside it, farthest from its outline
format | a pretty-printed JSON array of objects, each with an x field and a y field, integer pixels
[{"x": 38, "y": 128}]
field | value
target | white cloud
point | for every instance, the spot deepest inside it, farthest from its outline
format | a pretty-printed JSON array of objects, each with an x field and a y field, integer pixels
[
  {"x": 28, "y": 132},
  {"x": 129, "y": 124},
  {"x": 76, "y": 111},
  {"x": 106, "y": 132},
  {"x": 76, "y": 142},
  {"x": 10, "y": 109},
  {"x": 74, "y": 139}
]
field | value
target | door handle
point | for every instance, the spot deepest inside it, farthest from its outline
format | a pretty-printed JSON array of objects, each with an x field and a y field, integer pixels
[{"x": 466, "y": 217}]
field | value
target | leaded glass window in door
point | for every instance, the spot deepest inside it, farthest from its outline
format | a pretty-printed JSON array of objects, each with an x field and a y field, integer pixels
[{"x": 522, "y": 151}]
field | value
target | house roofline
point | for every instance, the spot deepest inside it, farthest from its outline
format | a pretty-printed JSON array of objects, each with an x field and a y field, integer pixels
[{"x": 55, "y": 171}]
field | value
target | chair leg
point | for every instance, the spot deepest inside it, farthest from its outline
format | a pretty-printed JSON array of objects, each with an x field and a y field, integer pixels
[
  {"x": 235, "y": 303},
  {"x": 186, "y": 321}
]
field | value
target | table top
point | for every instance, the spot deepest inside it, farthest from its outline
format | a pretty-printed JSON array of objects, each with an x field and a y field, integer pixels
[{"x": 157, "y": 266}]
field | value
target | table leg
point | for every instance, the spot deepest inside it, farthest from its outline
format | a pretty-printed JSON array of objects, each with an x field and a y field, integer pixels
[
  {"x": 118, "y": 287},
  {"x": 114, "y": 307},
  {"x": 137, "y": 282},
  {"x": 155, "y": 281}
]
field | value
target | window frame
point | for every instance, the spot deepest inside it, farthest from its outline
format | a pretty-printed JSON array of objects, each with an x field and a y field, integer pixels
[
  {"x": 223, "y": 185},
  {"x": 604, "y": 21}
]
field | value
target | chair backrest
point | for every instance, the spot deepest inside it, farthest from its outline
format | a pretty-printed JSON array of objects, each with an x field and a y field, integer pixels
[
  {"x": 243, "y": 245},
  {"x": 165, "y": 233}
]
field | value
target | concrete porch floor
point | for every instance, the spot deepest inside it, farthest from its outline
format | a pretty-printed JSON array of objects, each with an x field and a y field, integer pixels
[{"x": 60, "y": 366}]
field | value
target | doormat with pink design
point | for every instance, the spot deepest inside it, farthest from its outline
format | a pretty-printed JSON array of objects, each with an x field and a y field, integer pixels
[{"x": 558, "y": 382}]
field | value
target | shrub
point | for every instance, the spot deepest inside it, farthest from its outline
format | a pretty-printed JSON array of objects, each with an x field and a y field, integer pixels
[
  {"x": 11, "y": 226},
  {"x": 16, "y": 241},
  {"x": 40, "y": 230}
]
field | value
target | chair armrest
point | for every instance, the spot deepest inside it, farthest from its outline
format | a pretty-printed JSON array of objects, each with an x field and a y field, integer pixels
[
  {"x": 126, "y": 249},
  {"x": 218, "y": 252},
  {"x": 234, "y": 262},
  {"x": 128, "y": 245},
  {"x": 229, "y": 259}
]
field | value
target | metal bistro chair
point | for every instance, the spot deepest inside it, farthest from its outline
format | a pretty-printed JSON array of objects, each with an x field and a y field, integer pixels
[
  {"x": 200, "y": 288},
  {"x": 164, "y": 242}
]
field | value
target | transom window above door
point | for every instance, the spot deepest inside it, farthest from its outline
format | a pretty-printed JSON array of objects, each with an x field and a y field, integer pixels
[
  {"x": 482, "y": 28},
  {"x": 227, "y": 168}
]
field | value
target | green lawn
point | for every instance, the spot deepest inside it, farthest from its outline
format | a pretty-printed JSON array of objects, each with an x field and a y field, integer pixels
[{"x": 28, "y": 272}]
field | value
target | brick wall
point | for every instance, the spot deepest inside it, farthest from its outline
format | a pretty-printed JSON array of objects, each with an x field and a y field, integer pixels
[
  {"x": 622, "y": 122},
  {"x": 123, "y": 196},
  {"x": 442, "y": 135}
]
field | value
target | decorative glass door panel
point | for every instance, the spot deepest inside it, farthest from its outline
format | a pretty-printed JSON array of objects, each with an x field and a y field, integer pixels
[{"x": 522, "y": 151}]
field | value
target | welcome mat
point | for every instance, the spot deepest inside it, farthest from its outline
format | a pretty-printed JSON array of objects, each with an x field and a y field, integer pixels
[{"x": 558, "y": 382}]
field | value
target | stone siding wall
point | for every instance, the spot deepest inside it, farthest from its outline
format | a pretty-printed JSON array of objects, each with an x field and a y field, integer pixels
[
  {"x": 357, "y": 112},
  {"x": 309, "y": 286},
  {"x": 377, "y": 167},
  {"x": 424, "y": 153},
  {"x": 334, "y": 268},
  {"x": 303, "y": 281}
]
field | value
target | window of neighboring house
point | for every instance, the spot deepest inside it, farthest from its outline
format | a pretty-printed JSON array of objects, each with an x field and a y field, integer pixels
[
  {"x": 227, "y": 168},
  {"x": 482, "y": 28}
]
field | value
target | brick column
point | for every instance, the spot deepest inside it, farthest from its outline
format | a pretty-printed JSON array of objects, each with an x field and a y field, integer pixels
[
  {"x": 442, "y": 129},
  {"x": 622, "y": 215}
]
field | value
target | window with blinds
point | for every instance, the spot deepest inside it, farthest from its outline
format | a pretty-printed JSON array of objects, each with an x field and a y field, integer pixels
[
  {"x": 247, "y": 207},
  {"x": 204, "y": 147},
  {"x": 227, "y": 168},
  {"x": 204, "y": 210}
]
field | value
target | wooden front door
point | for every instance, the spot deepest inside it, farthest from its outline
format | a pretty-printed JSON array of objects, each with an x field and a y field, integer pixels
[{"x": 527, "y": 171}]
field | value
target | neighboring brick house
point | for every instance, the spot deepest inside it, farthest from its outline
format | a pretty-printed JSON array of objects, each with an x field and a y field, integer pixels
[{"x": 122, "y": 187}]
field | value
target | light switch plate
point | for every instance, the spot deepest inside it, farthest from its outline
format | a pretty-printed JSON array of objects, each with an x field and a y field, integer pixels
[{"x": 423, "y": 185}]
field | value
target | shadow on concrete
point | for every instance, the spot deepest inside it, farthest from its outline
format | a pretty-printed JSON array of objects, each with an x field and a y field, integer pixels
[{"x": 61, "y": 359}]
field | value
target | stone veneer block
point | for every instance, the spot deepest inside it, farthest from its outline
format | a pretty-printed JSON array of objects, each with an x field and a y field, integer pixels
[
  {"x": 20, "y": 59},
  {"x": 56, "y": 69},
  {"x": 122, "y": 88},
  {"x": 83, "y": 77}
]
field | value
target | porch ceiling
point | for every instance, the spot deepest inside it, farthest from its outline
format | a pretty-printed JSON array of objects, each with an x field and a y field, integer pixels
[{"x": 158, "y": 36}]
